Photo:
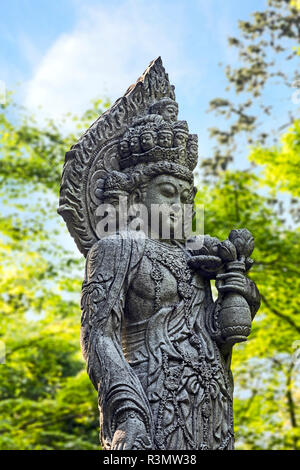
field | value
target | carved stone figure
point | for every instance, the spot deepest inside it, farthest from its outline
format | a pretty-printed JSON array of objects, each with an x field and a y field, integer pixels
[{"x": 157, "y": 346}]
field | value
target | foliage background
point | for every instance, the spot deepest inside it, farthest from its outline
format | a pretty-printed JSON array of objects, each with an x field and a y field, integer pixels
[{"x": 46, "y": 399}]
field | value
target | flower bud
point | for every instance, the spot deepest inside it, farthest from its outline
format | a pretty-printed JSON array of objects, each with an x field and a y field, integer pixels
[
  {"x": 243, "y": 241},
  {"x": 227, "y": 251}
]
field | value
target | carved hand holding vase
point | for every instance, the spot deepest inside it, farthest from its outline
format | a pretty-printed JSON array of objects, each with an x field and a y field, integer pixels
[{"x": 157, "y": 346}]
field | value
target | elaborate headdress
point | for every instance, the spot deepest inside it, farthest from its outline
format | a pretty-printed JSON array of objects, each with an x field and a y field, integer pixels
[{"x": 114, "y": 142}]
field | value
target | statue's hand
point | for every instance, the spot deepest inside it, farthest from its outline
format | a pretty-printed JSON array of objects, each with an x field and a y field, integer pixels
[
  {"x": 233, "y": 282},
  {"x": 240, "y": 284},
  {"x": 131, "y": 434}
]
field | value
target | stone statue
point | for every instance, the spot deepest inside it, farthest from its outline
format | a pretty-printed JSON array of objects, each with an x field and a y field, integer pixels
[{"x": 157, "y": 346}]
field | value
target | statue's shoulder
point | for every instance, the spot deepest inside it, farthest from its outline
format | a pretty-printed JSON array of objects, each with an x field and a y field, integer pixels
[
  {"x": 115, "y": 248},
  {"x": 105, "y": 243},
  {"x": 102, "y": 258},
  {"x": 105, "y": 248}
]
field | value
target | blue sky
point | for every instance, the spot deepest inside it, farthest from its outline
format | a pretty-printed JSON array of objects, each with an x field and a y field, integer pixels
[{"x": 63, "y": 53}]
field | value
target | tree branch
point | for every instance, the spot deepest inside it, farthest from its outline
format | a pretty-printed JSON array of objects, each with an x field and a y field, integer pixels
[
  {"x": 279, "y": 314},
  {"x": 290, "y": 403}
]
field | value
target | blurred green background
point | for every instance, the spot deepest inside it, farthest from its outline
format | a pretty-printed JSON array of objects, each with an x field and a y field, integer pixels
[{"x": 46, "y": 398}]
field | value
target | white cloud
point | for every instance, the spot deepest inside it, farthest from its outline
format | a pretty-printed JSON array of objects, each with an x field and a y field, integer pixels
[{"x": 108, "y": 49}]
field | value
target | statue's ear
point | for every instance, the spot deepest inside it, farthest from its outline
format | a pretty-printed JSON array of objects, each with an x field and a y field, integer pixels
[{"x": 136, "y": 197}]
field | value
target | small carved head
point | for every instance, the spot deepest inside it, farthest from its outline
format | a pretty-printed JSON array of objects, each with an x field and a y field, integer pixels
[
  {"x": 192, "y": 150},
  {"x": 193, "y": 144},
  {"x": 148, "y": 139},
  {"x": 167, "y": 108},
  {"x": 124, "y": 148},
  {"x": 135, "y": 146},
  {"x": 165, "y": 136},
  {"x": 181, "y": 134}
]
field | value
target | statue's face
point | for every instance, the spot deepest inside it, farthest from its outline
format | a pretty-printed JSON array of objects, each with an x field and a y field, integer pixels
[
  {"x": 147, "y": 141},
  {"x": 135, "y": 144},
  {"x": 180, "y": 139},
  {"x": 165, "y": 139},
  {"x": 193, "y": 148},
  {"x": 124, "y": 148},
  {"x": 170, "y": 113},
  {"x": 173, "y": 193}
]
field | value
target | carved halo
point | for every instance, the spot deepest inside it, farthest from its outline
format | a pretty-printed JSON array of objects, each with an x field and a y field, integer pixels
[{"x": 96, "y": 154}]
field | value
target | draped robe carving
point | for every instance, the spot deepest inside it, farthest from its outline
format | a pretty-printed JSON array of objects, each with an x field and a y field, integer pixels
[{"x": 168, "y": 368}]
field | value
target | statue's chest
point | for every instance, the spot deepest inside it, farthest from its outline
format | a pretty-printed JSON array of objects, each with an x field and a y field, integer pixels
[{"x": 164, "y": 275}]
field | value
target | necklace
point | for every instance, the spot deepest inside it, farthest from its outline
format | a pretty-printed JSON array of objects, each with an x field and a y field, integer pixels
[{"x": 174, "y": 259}]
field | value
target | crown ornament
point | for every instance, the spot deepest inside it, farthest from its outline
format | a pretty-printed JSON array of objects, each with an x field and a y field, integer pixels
[
  {"x": 153, "y": 141},
  {"x": 140, "y": 129}
]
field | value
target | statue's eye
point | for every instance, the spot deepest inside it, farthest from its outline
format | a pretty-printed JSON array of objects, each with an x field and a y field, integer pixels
[
  {"x": 167, "y": 190},
  {"x": 185, "y": 196}
]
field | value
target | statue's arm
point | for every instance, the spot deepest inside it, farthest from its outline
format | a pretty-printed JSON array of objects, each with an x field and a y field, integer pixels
[
  {"x": 240, "y": 284},
  {"x": 123, "y": 404}
]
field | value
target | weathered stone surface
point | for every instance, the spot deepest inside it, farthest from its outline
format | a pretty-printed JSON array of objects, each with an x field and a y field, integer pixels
[{"x": 157, "y": 347}]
